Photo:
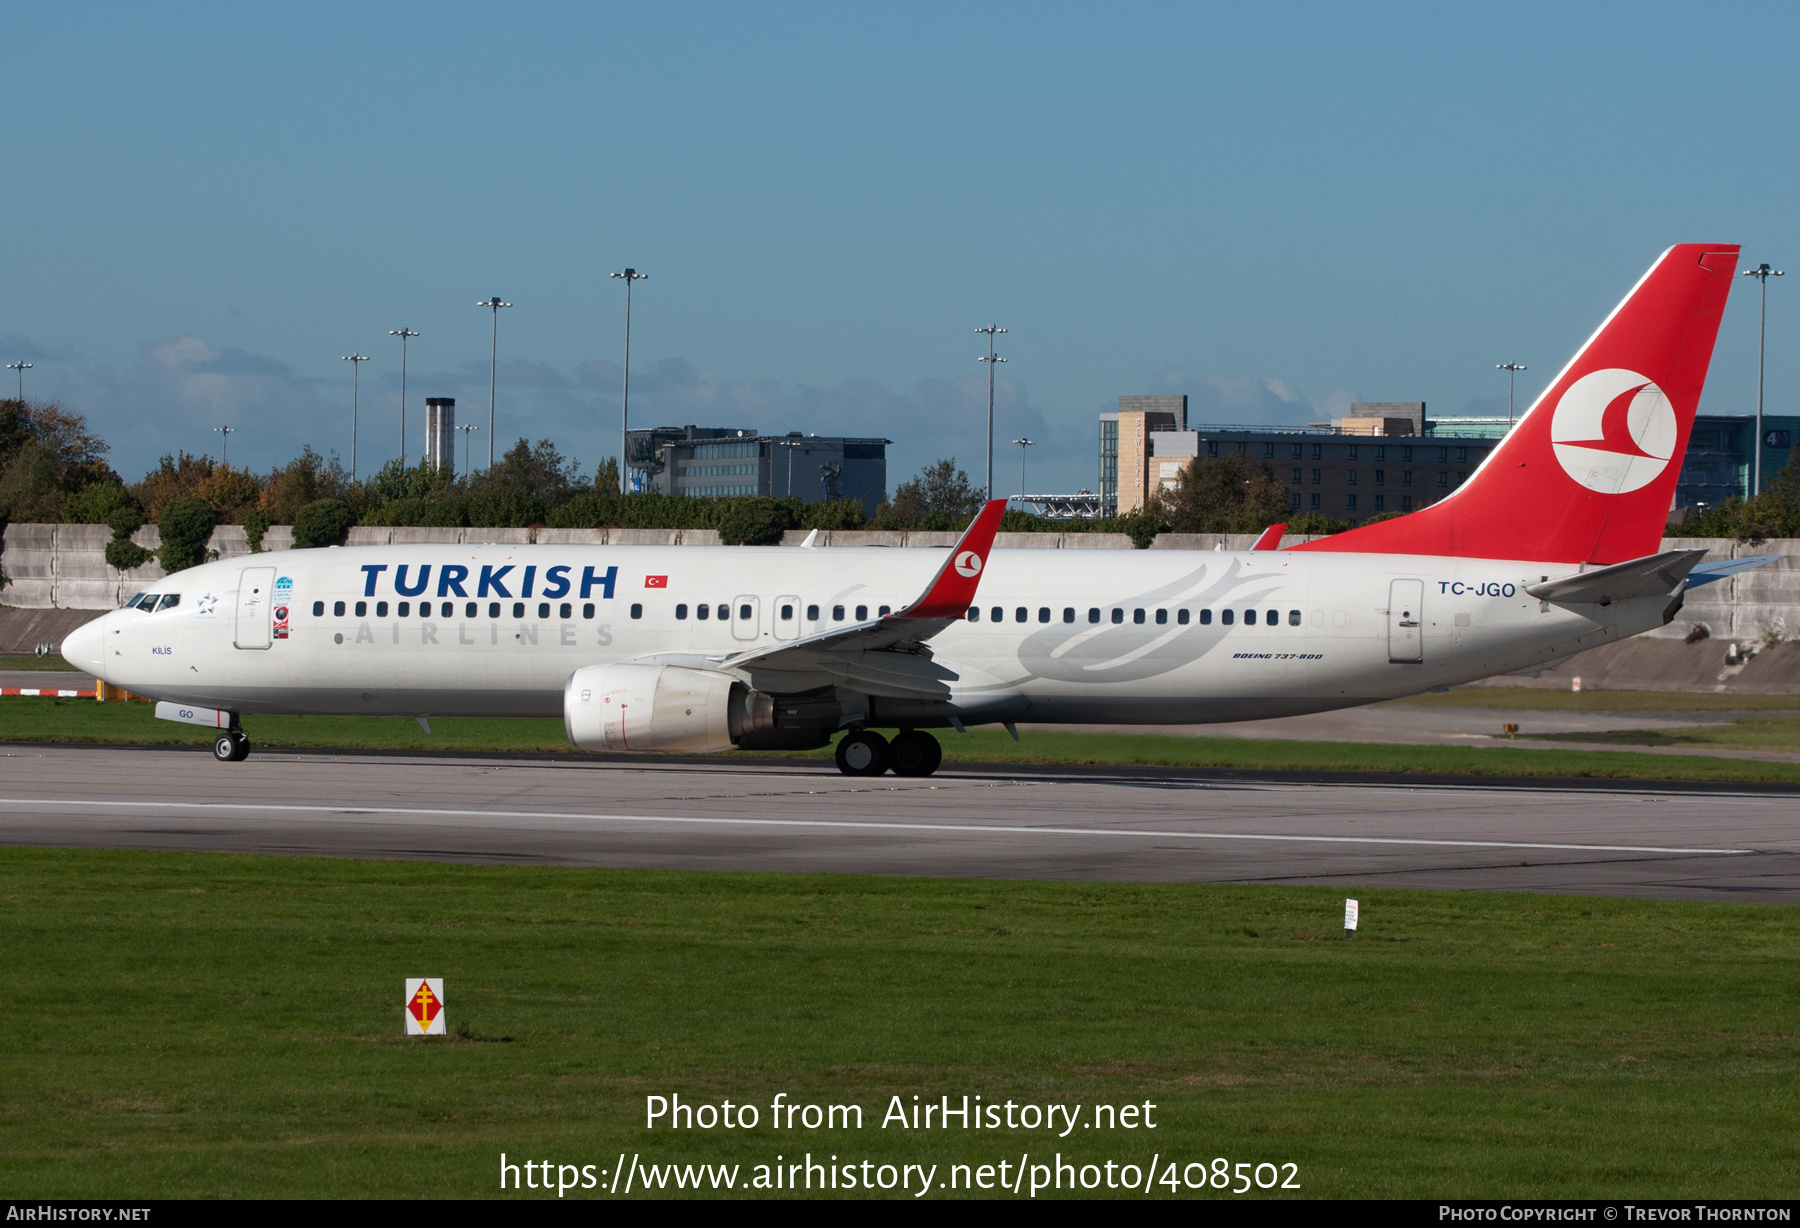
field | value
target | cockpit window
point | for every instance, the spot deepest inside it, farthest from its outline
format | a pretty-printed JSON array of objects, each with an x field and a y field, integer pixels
[
  {"x": 135, "y": 598},
  {"x": 169, "y": 601}
]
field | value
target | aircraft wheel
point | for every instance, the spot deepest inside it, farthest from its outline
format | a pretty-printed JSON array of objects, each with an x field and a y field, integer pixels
[
  {"x": 915, "y": 753},
  {"x": 231, "y": 747},
  {"x": 863, "y": 753}
]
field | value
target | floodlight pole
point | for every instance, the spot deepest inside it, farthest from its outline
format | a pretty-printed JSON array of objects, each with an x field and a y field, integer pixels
[
  {"x": 992, "y": 360},
  {"x": 465, "y": 428},
  {"x": 629, "y": 276},
  {"x": 405, "y": 335},
  {"x": 356, "y": 359},
  {"x": 1762, "y": 273},
  {"x": 224, "y": 442},
  {"x": 1023, "y": 445},
  {"x": 21, "y": 368},
  {"x": 1511, "y": 369},
  {"x": 493, "y": 366}
]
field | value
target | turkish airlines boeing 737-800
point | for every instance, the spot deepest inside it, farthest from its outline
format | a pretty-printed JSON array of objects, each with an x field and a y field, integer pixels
[{"x": 1550, "y": 548}]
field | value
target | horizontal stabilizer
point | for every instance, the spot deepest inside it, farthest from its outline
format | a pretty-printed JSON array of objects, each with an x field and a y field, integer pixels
[
  {"x": 1657, "y": 575},
  {"x": 1706, "y": 573}
]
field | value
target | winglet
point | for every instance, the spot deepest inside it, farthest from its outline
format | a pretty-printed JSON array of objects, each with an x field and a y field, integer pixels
[
  {"x": 1271, "y": 538},
  {"x": 952, "y": 590}
]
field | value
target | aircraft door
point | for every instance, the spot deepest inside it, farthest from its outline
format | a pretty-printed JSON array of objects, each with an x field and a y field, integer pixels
[
  {"x": 1406, "y": 621},
  {"x": 256, "y": 589},
  {"x": 746, "y": 617},
  {"x": 787, "y": 618}
]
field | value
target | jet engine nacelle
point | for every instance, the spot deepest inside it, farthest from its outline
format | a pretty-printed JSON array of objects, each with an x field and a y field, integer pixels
[{"x": 661, "y": 708}]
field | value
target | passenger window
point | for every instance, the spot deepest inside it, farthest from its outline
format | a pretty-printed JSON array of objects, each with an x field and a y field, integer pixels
[
  {"x": 318, "y": 608},
  {"x": 1043, "y": 613},
  {"x": 1137, "y": 616},
  {"x": 449, "y": 609},
  {"x": 1118, "y": 615},
  {"x": 404, "y": 609},
  {"x": 1021, "y": 614},
  {"x": 884, "y": 611},
  {"x": 997, "y": 614},
  {"x": 1068, "y": 613},
  {"x": 1206, "y": 618},
  {"x": 472, "y": 610},
  {"x": 974, "y": 613},
  {"x": 566, "y": 610},
  {"x": 518, "y": 609},
  {"x": 862, "y": 613},
  {"x": 362, "y": 609},
  {"x": 703, "y": 612},
  {"x": 544, "y": 609},
  {"x": 587, "y": 611},
  {"x": 787, "y": 612},
  {"x": 812, "y": 613},
  {"x": 1162, "y": 616},
  {"x": 724, "y": 611},
  {"x": 493, "y": 609},
  {"x": 1249, "y": 618},
  {"x": 337, "y": 608},
  {"x": 837, "y": 613},
  {"x": 1293, "y": 618},
  {"x": 1226, "y": 617},
  {"x": 381, "y": 609},
  {"x": 1181, "y": 616},
  {"x": 1093, "y": 614},
  {"x": 637, "y": 609}
]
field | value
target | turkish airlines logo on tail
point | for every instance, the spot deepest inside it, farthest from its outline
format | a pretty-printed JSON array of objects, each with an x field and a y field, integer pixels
[
  {"x": 1614, "y": 431},
  {"x": 968, "y": 564}
]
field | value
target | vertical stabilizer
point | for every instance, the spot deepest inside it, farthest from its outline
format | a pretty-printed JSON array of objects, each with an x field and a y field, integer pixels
[{"x": 1588, "y": 474}]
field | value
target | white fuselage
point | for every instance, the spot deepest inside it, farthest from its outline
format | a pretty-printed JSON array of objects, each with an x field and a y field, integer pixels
[{"x": 1081, "y": 635}]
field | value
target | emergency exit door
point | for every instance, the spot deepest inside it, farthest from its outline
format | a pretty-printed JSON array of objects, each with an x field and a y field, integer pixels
[
  {"x": 256, "y": 587},
  {"x": 1406, "y": 621}
]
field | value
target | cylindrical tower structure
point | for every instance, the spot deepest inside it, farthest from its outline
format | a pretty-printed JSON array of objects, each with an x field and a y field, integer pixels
[{"x": 440, "y": 432}]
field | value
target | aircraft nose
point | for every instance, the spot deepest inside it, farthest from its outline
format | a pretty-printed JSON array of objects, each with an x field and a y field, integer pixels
[{"x": 85, "y": 647}]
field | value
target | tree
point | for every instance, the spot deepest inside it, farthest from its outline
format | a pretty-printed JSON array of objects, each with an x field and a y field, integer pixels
[
  {"x": 184, "y": 527},
  {"x": 121, "y": 551},
  {"x": 96, "y": 502},
  {"x": 756, "y": 521},
  {"x": 306, "y": 479},
  {"x": 1223, "y": 494},
  {"x": 46, "y": 455},
  {"x": 229, "y": 490},
  {"x": 325, "y": 523},
  {"x": 538, "y": 473},
  {"x": 940, "y": 497}
]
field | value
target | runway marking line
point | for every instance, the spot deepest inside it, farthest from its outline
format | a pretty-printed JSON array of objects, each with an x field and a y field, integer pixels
[{"x": 983, "y": 829}]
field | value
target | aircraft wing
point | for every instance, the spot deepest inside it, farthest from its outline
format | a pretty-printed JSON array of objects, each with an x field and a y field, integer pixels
[
  {"x": 1655, "y": 575},
  {"x": 888, "y": 655}
]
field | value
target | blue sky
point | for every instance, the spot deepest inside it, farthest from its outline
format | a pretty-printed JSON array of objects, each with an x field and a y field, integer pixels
[{"x": 1274, "y": 208}]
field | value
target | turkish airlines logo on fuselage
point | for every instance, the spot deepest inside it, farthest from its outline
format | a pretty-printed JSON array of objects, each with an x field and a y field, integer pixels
[
  {"x": 1614, "y": 431},
  {"x": 968, "y": 564}
]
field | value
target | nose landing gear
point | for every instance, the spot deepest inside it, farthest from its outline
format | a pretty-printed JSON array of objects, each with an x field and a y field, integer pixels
[{"x": 231, "y": 746}]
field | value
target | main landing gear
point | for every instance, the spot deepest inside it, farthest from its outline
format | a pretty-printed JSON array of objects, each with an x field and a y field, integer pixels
[
  {"x": 913, "y": 752},
  {"x": 231, "y": 746}
]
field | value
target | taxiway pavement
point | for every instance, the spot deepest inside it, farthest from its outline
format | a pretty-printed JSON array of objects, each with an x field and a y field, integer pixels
[{"x": 1122, "y": 824}]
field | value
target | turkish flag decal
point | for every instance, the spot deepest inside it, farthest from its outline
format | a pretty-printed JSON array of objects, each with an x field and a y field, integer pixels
[{"x": 656, "y": 582}]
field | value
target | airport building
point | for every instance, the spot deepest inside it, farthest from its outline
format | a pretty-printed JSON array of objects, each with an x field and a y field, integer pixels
[
  {"x": 714, "y": 461},
  {"x": 1384, "y": 456},
  {"x": 1387, "y": 456}
]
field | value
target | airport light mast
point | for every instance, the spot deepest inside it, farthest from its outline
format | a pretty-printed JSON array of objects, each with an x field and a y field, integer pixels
[
  {"x": 465, "y": 428},
  {"x": 493, "y": 366},
  {"x": 992, "y": 360},
  {"x": 628, "y": 276},
  {"x": 1762, "y": 273},
  {"x": 1511, "y": 369},
  {"x": 224, "y": 442},
  {"x": 1023, "y": 445},
  {"x": 356, "y": 359},
  {"x": 405, "y": 335},
  {"x": 21, "y": 368}
]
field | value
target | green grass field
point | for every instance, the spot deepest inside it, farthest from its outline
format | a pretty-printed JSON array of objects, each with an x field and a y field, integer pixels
[
  {"x": 34, "y": 662},
  {"x": 207, "y": 1025},
  {"x": 1749, "y": 733},
  {"x": 24, "y": 719},
  {"x": 1538, "y": 699}
]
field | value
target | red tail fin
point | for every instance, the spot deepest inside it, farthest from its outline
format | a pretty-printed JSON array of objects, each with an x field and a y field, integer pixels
[{"x": 1589, "y": 472}]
